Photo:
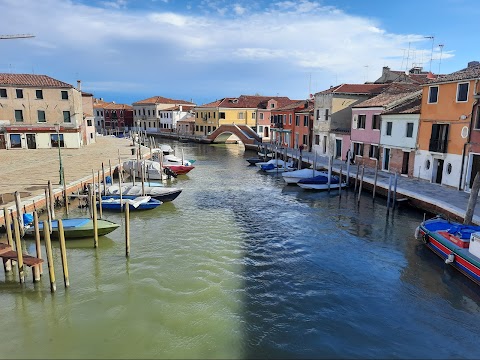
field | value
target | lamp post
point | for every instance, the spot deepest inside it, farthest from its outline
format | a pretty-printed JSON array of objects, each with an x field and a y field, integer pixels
[{"x": 57, "y": 129}]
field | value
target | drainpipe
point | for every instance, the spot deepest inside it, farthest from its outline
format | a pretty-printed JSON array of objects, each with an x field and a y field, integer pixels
[{"x": 475, "y": 95}]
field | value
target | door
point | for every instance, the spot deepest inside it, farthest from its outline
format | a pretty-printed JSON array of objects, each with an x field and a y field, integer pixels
[
  {"x": 338, "y": 148},
  {"x": 386, "y": 159},
  {"x": 3, "y": 144},
  {"x": 265, "y": 132},
  {"x": 438, "y": 171},
  {"x": 31, "y": 141},
  {"x": 474, "y": 170},
  {"x": 406, "y": 157}
]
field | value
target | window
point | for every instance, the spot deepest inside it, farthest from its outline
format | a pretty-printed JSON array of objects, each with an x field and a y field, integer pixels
[
  {"x": 449, "y": 168},
  {"x": 19, "y": 93},
  {"x": 222, "y": 115},
  {"x": 64, "y": 95},
  {"x": 439, "y": 138},
  {"x": 389, "y": 128},
  {"x": 318, "y": 114},
  {"x": 324, "y": 144},
  {"x": 358, "y": 149},
  {"x": 432, "y": 94},
  {"x": 362, "y": 120},
  {"x": 39, "y": 94},
  {"x": 15, "y": 141},
  {"x": 376, "y": 122},
  {"x": 240, "y": 116},
  {"x": 3, "y": 93},
  {"x": 326, "y": 114},
  {"x": 373, "y": 152},
  {"x": 19, "y": 115},
  {"x": 477, "y": 119},
  {"x": 66, "y": 116},
  {"x": 260, "y": 129},
  {"x": 272, "y": 106},
  {"x": 148, "y": 112},
  {"x": 462, "y": 92},
  {"x": 297, "y": 120},
  {"x": 317, "y": 139},
  {"x": 260, "y": 116},
  {"x": 290, "y": 119},
  {"x": 41, "y": 116},
  {"x": 89, "y": 122},
  {"x": 254, "y": 115},
  {"x": 305, "y": 120},
  {"x": 54, "y": 140},
  {"x": 409, "y": 130}
]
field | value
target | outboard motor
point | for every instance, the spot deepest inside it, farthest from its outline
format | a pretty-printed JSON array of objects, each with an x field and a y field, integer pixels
[{"x": 170, "y": 173}]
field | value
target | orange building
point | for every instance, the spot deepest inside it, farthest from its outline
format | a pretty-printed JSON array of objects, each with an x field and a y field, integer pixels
[{"x": 446, "y": 112}]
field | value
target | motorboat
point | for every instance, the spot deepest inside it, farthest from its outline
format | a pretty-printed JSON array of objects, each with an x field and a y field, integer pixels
[
  {"x": 135, "y": 203},
  {"x": 277, "y": 167},
  {"x": 320, "y": 182},
  {"x": 292, "y": 177},
  {"x": 163, "y": 194},
  {"x": 75, "y": 228}
]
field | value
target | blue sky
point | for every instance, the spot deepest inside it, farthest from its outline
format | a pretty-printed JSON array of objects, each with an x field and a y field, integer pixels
[{"x": 126, "y": 50}]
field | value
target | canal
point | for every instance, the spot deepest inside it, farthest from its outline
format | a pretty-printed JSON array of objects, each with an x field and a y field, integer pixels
[{"x": 242, "y": 266}]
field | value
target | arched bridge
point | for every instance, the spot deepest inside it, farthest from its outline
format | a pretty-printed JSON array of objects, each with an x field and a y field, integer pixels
[{"x": 243, "y": 132}]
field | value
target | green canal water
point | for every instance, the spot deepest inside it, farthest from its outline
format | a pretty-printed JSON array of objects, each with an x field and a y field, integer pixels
[{"x": 241, "y": 266}]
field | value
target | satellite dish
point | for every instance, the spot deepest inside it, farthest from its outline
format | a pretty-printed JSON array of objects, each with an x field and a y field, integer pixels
[{"x": 464, "y": 132}]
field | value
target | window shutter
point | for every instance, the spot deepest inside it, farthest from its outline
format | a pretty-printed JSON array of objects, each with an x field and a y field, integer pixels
[{"x": 355, "y": 122}]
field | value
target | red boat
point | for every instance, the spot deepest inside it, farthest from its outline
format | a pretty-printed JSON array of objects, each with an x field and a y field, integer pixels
[{"x": 179, "y": 169}]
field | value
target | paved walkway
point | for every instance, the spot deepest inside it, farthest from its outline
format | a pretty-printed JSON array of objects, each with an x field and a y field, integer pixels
[
  {"x": 437, "y": 198},
  {"x": 28, "y": 171}
]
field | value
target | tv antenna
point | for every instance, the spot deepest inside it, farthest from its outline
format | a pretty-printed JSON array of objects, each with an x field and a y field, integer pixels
[
  {"x": 17, "y": 36},
  {"x": 440, "y": 61},
  {"x": 431, "y": 53}
]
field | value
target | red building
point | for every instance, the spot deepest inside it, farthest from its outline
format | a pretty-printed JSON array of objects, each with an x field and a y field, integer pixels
[{"x": 118, "y": 116}]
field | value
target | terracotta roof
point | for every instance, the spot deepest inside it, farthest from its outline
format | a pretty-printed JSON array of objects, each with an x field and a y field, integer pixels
[
  {"x": 245, "y": 101},
  {"x": 177, "y": 108},
  {"x": 410, "y": 106},
  {"x": 360, "y": 89},
  {"x": 292, "y": 106},
  {"x": 162, "y": 100},
  {"x": 392, "y": 94},
  {"x": 31, "y": 80},
  {"x": 86, "y": 94},
  {"x": 469, "y": 73},
  {"x": 113, "y": 106}
]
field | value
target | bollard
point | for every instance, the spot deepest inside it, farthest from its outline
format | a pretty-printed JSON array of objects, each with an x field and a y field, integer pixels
[
  {"x": 63, "y": 252},
  {"x": 48, "y": 248},
  {"x": 127, "y": 230},
  {"x": 38, "y": 247},
  {"x": 18, "y": 245}
]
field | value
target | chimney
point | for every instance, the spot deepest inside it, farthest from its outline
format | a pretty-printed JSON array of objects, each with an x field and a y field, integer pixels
[
  {"x": 385, "y": 70},
  {"x": 79, "y": 85},
  {"x": 181, "y": 108}
]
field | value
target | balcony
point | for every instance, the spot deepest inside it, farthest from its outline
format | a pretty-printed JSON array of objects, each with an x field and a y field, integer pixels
[{"x": 438, "y": 145}]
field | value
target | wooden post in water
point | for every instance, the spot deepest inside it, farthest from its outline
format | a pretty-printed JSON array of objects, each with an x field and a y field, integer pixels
[
  {"x": 104, "y": 189},
  {"x": 110, "y": 166},
  {"x": 348, "y": 168},
  {"x": 19, "y": 213},
  {"x": 95, "y": 225},
  {"x": 388, "y": 194},
  {"x": 375, "y": 179},
  {"x": 329, "y": 180},
  {"x": 395, "y": 191},
  {"x": 90, "y": 200},
  {"x": 356, "y": 178},
  {"x": 63, "y": 252},
  {"x": 361, "y": 184},
  {"x": 99, "y": 196},
  {"x": 65, "y": 195},
  {"x": 52, "y": 200},
  {"x": 472, "y": 200},
  {"x": 7, "y": 265},
  {"x": 143, "y": 178},
  {"x": 38, "y": 246},
  {"x": 127, "y": 230},
  {"x": 18, "y": 245},
  {"x": 48, "y": 249},
  {"x": 340, "y": 182}
]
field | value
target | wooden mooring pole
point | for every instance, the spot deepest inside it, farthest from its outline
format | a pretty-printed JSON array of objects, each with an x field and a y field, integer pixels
[
  {"x": 356, "y": 179},
  {"x": 375, "y": 180},
  {"x": 48, "y": 248},
  {"x": 127, "y": 229},
  {"x": 472, "y": 200},
  {"x": 7, "y": 265},
  {"x": 395, "y": 191},
  {"x": 63, "y": 252},
  {"x": 388, "y": 194},
  {"x": 18, "y": 248},
  {"x": 38, "y": 246},
  {"x": 361, "y": 185},
  {"x": 340, "y": 182},
  {"x": 95, "y": 224}
]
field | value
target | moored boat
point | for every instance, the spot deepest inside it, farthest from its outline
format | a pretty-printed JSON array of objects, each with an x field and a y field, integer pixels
[
  {"x": 254, "y": 160},
  {"x": 135, "y": 203},
  {"x": 292, "y": 177},
  {"x": 75, "y": 228},
  {"x": 161, "y": 193},
  {"x": 320, "y": 182},
  {"x": 457, "y": 244},
  {"x": 276, "y": 167}
]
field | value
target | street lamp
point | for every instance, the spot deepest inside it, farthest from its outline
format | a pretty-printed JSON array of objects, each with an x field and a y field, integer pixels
[{"x": 57, "y": 129}]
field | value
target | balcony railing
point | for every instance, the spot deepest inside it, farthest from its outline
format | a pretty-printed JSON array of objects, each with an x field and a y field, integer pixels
[{"x": 438, "y": 145}]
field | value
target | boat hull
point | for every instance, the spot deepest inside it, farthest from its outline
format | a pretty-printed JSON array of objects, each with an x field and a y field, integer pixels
[
  {"x": 293, "y": 177},
  {"x": 76, "y": 228},
  {"x": 320, "y": 186},
  {"x": 463, "y": 261},
  {"x": 108, "y": 204},
  {"x": 180, "y": 169},
  {"x": 164, "y": 194}
]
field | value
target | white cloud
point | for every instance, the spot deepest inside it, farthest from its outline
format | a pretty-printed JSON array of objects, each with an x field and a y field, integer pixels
[{"x": 285, "y": 37}]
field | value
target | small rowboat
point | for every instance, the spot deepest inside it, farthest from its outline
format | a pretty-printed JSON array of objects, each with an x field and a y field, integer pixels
[
  {"x": 112, "y": 202},
  {"x": 75, "y": 228}
]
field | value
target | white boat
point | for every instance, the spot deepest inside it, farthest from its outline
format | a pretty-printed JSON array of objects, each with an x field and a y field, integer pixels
[
  {"x": 152, "y": 169},
  {"x": 166, "y": 149},
  {"x": 175, "y": 160},
  {"x": 277, "y": 167},
  {"x": 276, "y": 162},
  {"x": 292, "y": 177},
  {"x": 320, "y": 182},
  {"x": 264, "y": 155},
  {"x": 163, "y": 194}
]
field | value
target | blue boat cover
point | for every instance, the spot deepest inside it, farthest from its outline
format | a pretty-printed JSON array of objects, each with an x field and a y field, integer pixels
[
  {"x": 320, "y": 179},
  {"x": 457, "y": 229},
  {"x": 268, "y": 167}
]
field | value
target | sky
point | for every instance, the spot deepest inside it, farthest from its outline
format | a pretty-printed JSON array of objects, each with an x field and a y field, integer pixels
[{"x": 200, "y": 51}]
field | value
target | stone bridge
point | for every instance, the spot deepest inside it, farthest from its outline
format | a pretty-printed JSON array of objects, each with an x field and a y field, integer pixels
[{"x": 243, "y": 132}]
